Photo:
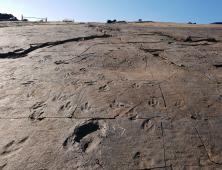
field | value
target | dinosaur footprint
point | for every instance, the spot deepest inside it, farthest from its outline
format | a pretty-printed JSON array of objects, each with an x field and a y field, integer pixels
[
  {"x": 37, "y": 110},
  {"x": 153, "y": 102},
  {"x": 117, "y": 109},
  {"x": 12, "y": 147},
  {"x": 67, "y": 106},
  {"x": 85, "y": 107}
]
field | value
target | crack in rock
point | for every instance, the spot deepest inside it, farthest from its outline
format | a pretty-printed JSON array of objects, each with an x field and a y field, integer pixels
[
  {"x": 24, "y": 53},
  {"x": 187, "y": 39}
]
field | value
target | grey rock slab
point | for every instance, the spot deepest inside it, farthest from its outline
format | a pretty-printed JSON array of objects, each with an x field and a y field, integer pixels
[
  {"x": 122, "y": 99},
  {"x": 209, "y": 131},
  {"x": 136, "y": 144},
  {"x": 31, "y": 35},
  {"x": 27, "y": 138},
  {"x": 182, "y": 144},
  {"x": 110, "y": 96},
  {"x": 203, "y": 103}
]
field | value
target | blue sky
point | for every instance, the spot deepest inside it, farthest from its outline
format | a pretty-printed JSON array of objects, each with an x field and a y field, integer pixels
[{"x": 181, "y": 11}]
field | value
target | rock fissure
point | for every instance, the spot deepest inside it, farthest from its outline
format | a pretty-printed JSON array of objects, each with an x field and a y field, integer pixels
[
  {"x": 2, "y": 167},
  {"x": 24, "y": 53},
  {"x": 218, "y": 65},
  {"x": 203, "y": 144},
  {"x": 162, "y": 96},
  {"x": 205, "y": 148},
  {"x": 157, "y": 168},
  {"x": 164, "y": 150},
  {"x": 187, "y": 39},
  {"x": 190, "y": 39},
  {"x": 141, "y": 42},
  {"x": 73, "y": 114}
]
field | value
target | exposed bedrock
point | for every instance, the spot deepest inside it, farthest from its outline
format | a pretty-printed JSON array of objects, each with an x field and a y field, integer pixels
[{"x": 110, "y": 96}]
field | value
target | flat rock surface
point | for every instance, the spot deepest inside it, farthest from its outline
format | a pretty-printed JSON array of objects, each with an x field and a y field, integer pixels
[{"x": 110, "y": 96}]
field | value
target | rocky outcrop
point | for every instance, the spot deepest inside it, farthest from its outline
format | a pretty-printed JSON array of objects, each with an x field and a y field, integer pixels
[{"x": 110, "y": 96}]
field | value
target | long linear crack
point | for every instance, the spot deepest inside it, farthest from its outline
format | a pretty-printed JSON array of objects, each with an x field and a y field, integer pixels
[
  {"x": 87, "y": 49},
  {"x": 83, "y": 118},
  {"x": 71, "y": 115},
  {"x": 133, "y": 107},
  {"x": 1, "y": 167},
  {"x": 14, "y": 54},
  {"x": 205, "y": 147},
  {"x": 163, "y": 99},
  {"x": 164, "y": 155},
  {"x": 155, "y": 168},
  {"x": 187, "y": 39},
  {"x": 202, "y": 143},
  {"x": 162, "y": 96}
]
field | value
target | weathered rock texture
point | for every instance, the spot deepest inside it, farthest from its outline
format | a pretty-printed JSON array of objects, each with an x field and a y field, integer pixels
[{"x": 110, "y": 96}]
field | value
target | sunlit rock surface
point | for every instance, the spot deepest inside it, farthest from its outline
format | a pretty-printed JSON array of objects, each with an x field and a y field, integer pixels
[{"x": 110, "y": 96}]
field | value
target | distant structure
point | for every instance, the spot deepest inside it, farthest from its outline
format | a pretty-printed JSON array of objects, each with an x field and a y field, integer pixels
[
  {"x": 140, "y": 21},
  {"x": 23, "y": 18},
  {"x": 68, "y": 20},
  {"x": 121, "y": 21}
]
